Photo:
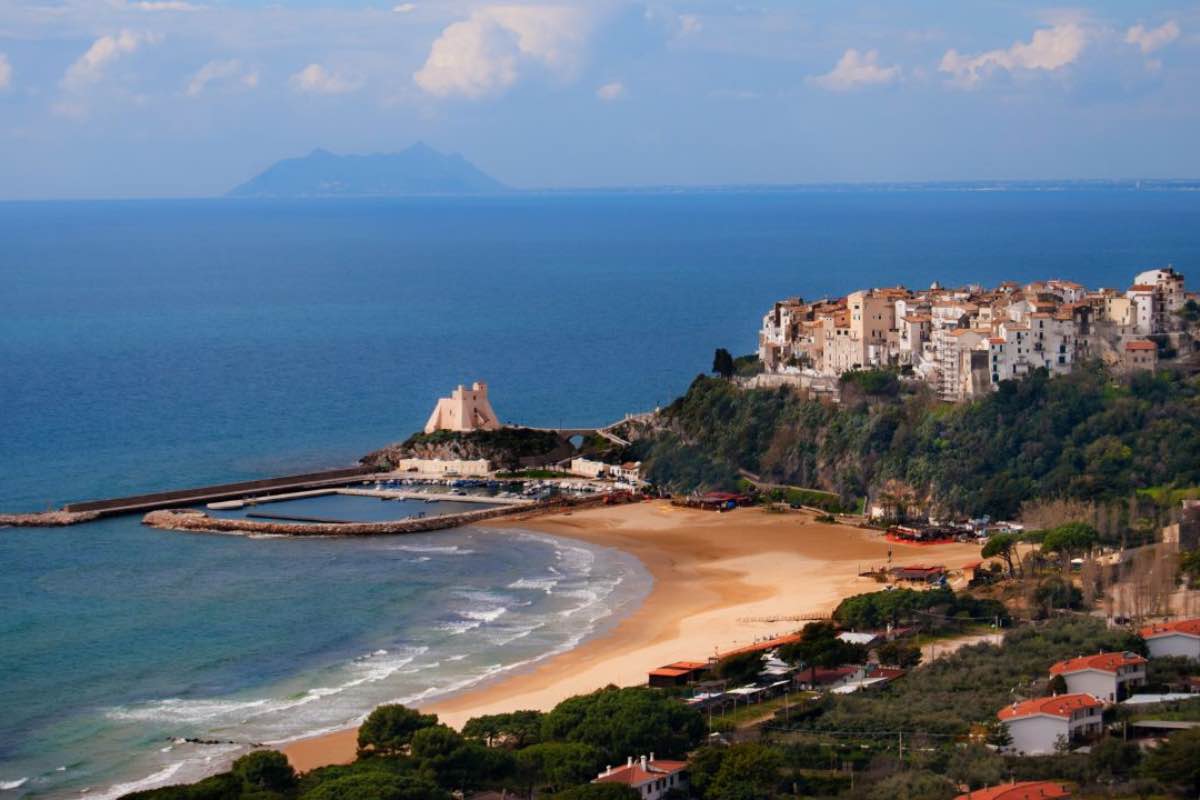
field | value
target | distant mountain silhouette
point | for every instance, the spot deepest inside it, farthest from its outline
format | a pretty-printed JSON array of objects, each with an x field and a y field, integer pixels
[{"x": 417, "y": 170}]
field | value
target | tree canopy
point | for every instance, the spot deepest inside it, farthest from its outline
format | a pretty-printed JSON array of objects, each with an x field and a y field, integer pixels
[
  {"x": 723, "y": 363},
  {"x": 389, "y": 728},
  {"x": 625, "y": 722}
]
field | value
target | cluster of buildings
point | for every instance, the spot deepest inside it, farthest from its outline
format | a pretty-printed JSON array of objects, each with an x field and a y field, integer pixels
[
  {"x": 1093, "y": 683},
  {"x": 1038, "y": 726},
  {"x": 964, "y": 341}
]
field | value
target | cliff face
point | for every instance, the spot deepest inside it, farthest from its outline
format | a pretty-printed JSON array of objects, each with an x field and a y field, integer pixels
[{"x": 507, "y": 448}]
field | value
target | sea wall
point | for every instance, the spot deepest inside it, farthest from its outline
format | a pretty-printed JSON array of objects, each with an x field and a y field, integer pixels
[
  {"x": 199, "y": 522},
  {"x": 47, "y": 519},
  {"x": 190, "y": 520}
]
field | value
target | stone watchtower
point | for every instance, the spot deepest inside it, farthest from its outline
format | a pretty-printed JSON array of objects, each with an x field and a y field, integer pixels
[{"x": 464, "y": 410}]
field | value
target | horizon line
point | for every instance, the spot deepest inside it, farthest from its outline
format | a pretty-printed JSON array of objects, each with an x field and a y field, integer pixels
[{"x": 949, "y": 184}]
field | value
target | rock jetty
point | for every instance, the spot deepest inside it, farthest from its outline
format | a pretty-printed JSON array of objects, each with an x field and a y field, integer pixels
[{"x": 47, "y": 519}]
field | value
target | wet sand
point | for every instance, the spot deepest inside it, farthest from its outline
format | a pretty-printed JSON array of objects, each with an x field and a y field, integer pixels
[{"x": 713, "y": 573}]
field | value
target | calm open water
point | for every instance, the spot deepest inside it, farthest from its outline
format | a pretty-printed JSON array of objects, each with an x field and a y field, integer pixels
[{"x": 144, "y": 345}]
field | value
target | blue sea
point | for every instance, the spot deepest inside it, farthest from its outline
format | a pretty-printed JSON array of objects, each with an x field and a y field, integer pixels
[{"x": 147, "y": 345}]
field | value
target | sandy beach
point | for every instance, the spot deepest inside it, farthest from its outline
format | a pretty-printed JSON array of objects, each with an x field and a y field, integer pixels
[{"x": 713, "y": 573}]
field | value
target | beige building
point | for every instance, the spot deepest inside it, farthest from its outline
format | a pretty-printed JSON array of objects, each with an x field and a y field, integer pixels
[
  {"x": 965, "y": 341},
  {"x": 464, "y": 410},
  {"x": 1140, "y": 354},
  {"x": 445, "y": 466}
]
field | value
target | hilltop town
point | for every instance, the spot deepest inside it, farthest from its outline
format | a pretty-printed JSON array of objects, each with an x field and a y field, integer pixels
[{"x": 965, "y": 341}]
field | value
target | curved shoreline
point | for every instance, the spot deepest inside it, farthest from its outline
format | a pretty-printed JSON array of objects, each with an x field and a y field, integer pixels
[{"x": 710, "y": 570}]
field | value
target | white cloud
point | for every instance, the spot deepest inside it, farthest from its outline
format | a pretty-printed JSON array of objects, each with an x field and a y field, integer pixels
[
  {"x": 611, "y": 91},
  {"x": 405, "y": 8},
  {"x": 856, "y": 69},
  {"x": 316, "y": 79},
  {"x": 5, "y": 72},
  {"x": 164, "y": 5},
  {"x": 90, "y": 67},
  {"x": 227, "y": 71},
  {"x": 484, "y": 53},
  {"x": 1152, "y": 39},
  {"x": 1049, "y": 49}
]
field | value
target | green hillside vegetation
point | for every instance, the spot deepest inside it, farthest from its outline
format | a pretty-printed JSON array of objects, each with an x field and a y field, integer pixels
[
  {"x": 919, "y": 737},
  {"x": 1085, "y": 436},
  {"x": 406, "y": 755}
]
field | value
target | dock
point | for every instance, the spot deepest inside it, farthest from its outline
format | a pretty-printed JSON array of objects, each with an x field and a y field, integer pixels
[
  {"x": 223, "y": 491},
  {"x": 381, "y": 494}
]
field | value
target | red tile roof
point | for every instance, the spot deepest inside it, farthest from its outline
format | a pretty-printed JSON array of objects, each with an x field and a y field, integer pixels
[
  {"x": 1062, "y": 705},
  {"x": 1103, "y": 662},
  {"x": 1140, "y": 344},
  {"x": 1188, "y": 627},
  {"x": 636, "y": 776},
  {"x": 1026, "y": 790},
  {"x": 1141, "y": 287},
  {"x": 668, "y": 672}
]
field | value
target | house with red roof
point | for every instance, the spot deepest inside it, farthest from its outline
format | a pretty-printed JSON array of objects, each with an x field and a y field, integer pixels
[
  {"x": 1109, "y": 677},
  {"x": 679, "y": 673},
  {"x": 1139, "y": 354},
  {"x": 1038, "y": 726},
  {"x": 650, "y": 777},
  {"x": 1179, "y": 638},
  {"x": 1025, "y": 790}
]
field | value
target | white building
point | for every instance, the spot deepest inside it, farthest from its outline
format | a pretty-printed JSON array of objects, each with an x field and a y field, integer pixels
[
  {"x": 650, "y": 777},
  {"x": 1181, "y": 638},
  {"x": 464, "y": 410},
  {"x": 630, "y": 471},
  {"x": 1039, "y": 726},
  {"x": 1166, "y": 296},
  {"x": 588, "y": 468},
  {"x": 479, "y": 467},
  {"x": 1108, "y": 677}
]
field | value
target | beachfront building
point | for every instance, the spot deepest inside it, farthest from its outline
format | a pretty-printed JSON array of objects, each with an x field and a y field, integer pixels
[
  {"x": 463, "y": 411},
  {"x": 650, "y": 777},
  {"x": 1042, "y": 725},
  {"x": 629, "y": 472},
  {"x": 1024, "y": 790},
  {"x": 446, "y": 467},
  {"x": 589, "y": 468},
  {"x": 1108, "y": 677},
  {"x": 965, "y": 341},
  {"x": 1179, "y": 638}
]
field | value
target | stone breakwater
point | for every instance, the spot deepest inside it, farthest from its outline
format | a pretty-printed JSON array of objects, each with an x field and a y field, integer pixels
[
  {"x": 193, "y": 521},
  {"x": 199, "y": 522},
  {"x": 47, "y": 519}
]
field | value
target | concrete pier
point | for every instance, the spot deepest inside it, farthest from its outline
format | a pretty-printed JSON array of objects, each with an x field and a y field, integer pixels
[
  {"x": 381, "y": 494},
  {"x": 223, "y": 491}
]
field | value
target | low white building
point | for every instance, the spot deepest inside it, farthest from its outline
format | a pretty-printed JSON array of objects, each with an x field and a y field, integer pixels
[
  {"x": 1039, "y": 726},
  {"x": 1180, "y": 638},
  {"x": 630, "y": 471},
  {"x": 588, "y": 468},
  {"x": 1109, "y": 677},
  {"x": 650, "y": 777},
  {"x": 445, "y": 466}
]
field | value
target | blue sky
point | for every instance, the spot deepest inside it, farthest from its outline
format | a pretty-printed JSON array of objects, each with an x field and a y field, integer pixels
[{"x": 102, "y": 98}]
